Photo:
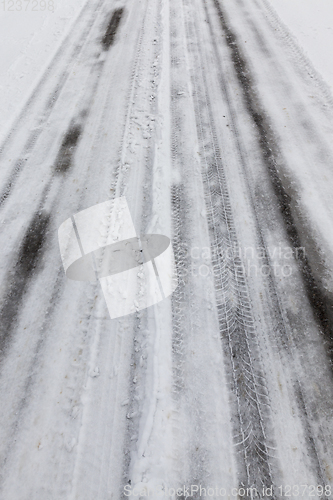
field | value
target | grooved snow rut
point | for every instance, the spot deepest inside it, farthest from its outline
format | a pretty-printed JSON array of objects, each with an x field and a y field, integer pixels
[{"x": 237, "y": 328}]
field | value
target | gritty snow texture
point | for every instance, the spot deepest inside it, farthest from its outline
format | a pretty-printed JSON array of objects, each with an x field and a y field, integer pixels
[
  {"x": 29, "y": 39},
  {"x": 208, "y": 119}
]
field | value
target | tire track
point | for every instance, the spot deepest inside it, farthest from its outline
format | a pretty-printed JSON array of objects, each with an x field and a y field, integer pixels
[
  {"x": 283, "y": 336},
  {"x": 111, "y": 30},
  {"x": 34, "y": 240},
  {"x": 67, "y": 149},
  {"x": 252, "y": 426},
  {"x": 142, "y": 355},
  {"x": 140, "y": 325},
  {"x": 180, "y": 295},
  {"x": 193, "y": 462},
  {"x": 320, "y": 301},
  {"x": 119, "y": 180},
  {"x": 193, "y": 453},
  {"x": 26, "y": 266}
]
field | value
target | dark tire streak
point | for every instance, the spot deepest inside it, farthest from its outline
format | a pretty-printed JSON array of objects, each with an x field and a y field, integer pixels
[
  {"x": 67, "y": 150},
  {"x": 27, "y": 266},
  {"x": 110, "y": 33}
]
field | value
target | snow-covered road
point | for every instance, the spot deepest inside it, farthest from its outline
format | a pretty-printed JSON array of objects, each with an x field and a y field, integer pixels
[{"x": 207, "y": 117}]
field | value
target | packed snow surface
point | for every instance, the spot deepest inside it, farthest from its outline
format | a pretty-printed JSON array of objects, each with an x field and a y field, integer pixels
[{"x": 208, "y": 126}]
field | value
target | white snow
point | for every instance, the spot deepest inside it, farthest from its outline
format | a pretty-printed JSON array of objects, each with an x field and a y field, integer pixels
[
  {"x": 311, "y": 22},
  {"x": 28, "y": 41},
  {"x": 97, "y": 387}
]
